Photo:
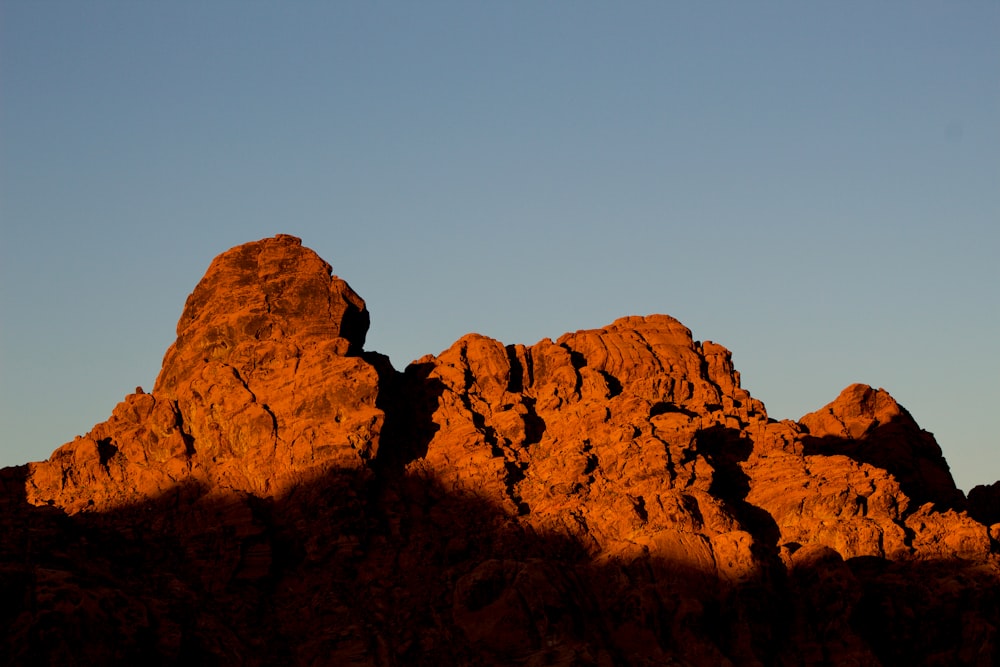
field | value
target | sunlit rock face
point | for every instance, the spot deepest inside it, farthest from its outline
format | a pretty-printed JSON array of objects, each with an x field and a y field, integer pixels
[
  {"x": 613, "y": 497},
  {"x": 263, "y": 388}
]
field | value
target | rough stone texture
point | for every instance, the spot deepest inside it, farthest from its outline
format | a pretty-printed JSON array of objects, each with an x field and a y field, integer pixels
[
  {"x": 870, "y": 427},
  {"x": 263, "y": 389},
  {"x": 613, "y": 497}
]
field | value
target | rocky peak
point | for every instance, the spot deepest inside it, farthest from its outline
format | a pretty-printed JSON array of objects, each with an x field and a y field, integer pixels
[
  {"x": 263, "y": 388},
  {"x": 869, "y": 426},
  {"x": 613, "y": 497},
  {"x": 259, "y": 299}
]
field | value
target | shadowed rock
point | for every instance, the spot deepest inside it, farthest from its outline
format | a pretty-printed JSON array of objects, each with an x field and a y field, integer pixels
[{"x": 613, "y": 497}]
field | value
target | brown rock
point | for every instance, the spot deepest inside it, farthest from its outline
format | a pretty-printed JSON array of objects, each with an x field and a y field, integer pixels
[
  {"x": 868, "y": 426},
  {"x": 259, "y": 304},
  {"x": 262, "y": 390},
  {"x": 613, "y": 497}
]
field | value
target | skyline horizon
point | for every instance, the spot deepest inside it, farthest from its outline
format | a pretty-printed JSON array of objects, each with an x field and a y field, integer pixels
[
  {"x": 817, "y": 188},
  {"x": 400, "y": 367}
]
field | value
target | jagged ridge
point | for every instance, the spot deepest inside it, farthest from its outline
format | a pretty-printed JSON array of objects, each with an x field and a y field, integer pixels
[{"x": 611, "y": 497}]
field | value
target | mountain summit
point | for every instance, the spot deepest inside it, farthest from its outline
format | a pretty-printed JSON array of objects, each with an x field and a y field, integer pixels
[{"x": 613, "y": 497}]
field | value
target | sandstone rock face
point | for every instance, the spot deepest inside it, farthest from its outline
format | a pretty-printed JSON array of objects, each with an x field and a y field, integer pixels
[
  {"x": 613, "y": 497},
  {"x": 263, "y": 389},
  {"x": 869, "y": 426}
]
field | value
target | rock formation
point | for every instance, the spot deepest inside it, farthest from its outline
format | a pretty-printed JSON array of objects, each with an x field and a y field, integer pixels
[{"x": 613, "y": 497}]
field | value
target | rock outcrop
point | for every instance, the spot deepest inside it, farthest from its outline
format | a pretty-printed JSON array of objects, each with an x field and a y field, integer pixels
[
  {"x": 264, "y": 388},
  {"x": 613, "y": 497}
]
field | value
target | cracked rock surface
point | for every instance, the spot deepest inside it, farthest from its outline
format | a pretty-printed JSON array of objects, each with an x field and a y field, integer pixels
[{"x": 613, "y": 497}]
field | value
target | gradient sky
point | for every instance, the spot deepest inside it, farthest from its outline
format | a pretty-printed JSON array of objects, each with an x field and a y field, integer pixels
[{"x": 816, "y": 186}]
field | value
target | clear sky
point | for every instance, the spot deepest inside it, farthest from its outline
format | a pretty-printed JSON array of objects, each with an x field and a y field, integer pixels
[{"x": 816, "y": 186}]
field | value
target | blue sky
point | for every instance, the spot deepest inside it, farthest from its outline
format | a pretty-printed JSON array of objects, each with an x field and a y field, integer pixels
[{"x": 814, "y": 185}]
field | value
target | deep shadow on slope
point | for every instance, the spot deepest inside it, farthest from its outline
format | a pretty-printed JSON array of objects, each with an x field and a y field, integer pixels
[
  {"x": 984, "y": 503},
  {"x": 347, "y": 570},
  {"x": 408, "y": 400},
  {"x": 726, "y": 448},
  {"x": 902, "y": 448}
]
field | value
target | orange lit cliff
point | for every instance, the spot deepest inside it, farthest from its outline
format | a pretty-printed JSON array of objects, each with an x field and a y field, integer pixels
[{"x": 613, "y": 497}]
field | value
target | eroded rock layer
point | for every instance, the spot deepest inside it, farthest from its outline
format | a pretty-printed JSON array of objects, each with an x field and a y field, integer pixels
[{"x": 613, "y": 497}]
